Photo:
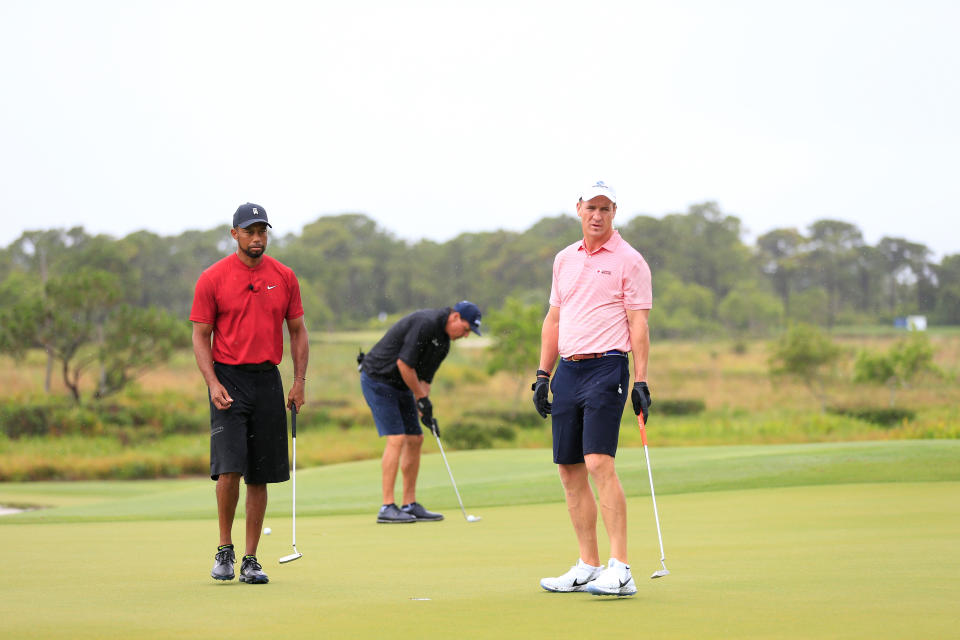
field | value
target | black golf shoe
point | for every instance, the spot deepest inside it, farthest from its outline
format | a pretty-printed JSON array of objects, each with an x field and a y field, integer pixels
[
  {"x": 417, "y": 511},
  {"x": 251, "y": 572},
  {"x": 391, "y": 514},
  {"x": 223, "y": 569}
]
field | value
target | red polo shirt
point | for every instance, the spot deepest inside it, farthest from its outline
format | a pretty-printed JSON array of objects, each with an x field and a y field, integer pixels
[{"x": 247, "y": 307}]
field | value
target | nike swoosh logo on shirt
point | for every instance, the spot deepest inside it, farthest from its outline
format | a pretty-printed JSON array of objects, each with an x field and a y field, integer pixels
[{"x": 271, "y": 287}]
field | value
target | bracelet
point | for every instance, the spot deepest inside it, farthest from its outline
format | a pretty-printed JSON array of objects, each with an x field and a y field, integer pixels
[
  {"x": 543, "y": 374},
  {"x": 299, "y": 378}
]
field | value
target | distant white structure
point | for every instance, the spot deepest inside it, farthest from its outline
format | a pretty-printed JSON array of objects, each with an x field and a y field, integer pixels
[{"x": 911, "y": 323}]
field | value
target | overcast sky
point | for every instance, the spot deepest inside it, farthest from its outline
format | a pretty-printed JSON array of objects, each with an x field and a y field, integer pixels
[{"x": 436, "y": 118}]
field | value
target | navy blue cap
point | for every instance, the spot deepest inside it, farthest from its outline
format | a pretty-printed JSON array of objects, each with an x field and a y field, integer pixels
[
  {"x": 471, "y": 313},
  {"x": 248, "y": 214}
]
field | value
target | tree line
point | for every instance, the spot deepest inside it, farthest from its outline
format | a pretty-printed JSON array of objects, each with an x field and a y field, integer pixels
[{"x": 707, "y": 279}]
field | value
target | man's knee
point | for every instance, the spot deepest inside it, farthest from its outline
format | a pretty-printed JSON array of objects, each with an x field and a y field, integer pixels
[
  {"x": 573, "y": 477},
  {"x": 394, "y": 444},
  {"x": 600, "y": 466},
  {"x": 231, "y": 479}
]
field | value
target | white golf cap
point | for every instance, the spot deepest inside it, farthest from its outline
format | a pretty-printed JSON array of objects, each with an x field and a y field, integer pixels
[{"x": 598, "y": 188}]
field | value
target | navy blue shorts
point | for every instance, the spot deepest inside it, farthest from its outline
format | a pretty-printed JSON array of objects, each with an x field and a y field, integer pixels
[
  {"x": 251, "y": 436},
  {"x": 394, "y": 410},
  {"x": 588, "y": 401}
]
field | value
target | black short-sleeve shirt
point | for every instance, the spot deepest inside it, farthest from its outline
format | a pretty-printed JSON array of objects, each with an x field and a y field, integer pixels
[{"x": 419, "y": 339}]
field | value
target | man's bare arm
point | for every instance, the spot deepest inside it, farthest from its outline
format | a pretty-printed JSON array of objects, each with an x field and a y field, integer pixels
[
  {"x": 639, "y": 341},
  {"x": 203, "y": 352},
  {"x": 300, "y": 352},
  {"x": 409, "y": 375},
  {"x": 549, "y": 337}
]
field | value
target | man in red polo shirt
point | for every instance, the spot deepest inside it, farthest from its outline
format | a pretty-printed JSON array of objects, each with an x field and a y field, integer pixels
[
  {"x": 241, "y": 302},
  {"x": 600, "y": 302}
]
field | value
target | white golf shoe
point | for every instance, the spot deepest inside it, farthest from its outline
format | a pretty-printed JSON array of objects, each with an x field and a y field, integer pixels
[
  {"x": 574, "y": 580},
  {"x": 615, "y": 580}
]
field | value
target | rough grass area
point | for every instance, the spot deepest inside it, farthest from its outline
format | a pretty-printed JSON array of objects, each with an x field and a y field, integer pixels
[{"x": 703, "y": 394}]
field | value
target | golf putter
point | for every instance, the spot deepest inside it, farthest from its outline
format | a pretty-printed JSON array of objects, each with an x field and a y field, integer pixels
[
  {"x": 293, "y": 429},
  {"x": 436, "y": 433},
  {"x": 643, "y": 437}
]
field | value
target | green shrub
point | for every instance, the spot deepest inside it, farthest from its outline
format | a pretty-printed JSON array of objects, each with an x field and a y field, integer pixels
[
  {"x": 78, "y": 421},
  {"x": 884, "y": 416},
  {"x": 679, "y": 407},
  {"x": 523, "y": 419},
  {"x": 476, "y": 435},
  {"x": 183, "y": 423},
  {"x": 25, "y": 420},
  {"x": 132, "y": 419},
  {"x": 456, "y": 375},
  {"x": 48, "y": 419},
  {"x": 467, "y": 436},
  {"x": 503, "y": 432}
]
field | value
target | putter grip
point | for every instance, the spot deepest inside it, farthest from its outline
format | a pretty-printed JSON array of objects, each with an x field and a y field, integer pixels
[{"x": 293, "y": 423}]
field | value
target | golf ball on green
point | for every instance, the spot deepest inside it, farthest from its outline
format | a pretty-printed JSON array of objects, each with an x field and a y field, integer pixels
[{"x": 267, "y": 531}]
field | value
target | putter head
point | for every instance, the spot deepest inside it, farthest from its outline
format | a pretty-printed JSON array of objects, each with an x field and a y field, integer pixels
[
  {"x": 296, "y": 555},
  {"x": 660, "y": 574}
]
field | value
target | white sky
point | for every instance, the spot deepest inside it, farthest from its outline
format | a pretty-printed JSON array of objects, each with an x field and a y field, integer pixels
[{"x": 436, "y": 118}]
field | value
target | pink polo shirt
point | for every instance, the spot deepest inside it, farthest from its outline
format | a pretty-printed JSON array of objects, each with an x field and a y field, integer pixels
[{"x": 593, "y": 292}]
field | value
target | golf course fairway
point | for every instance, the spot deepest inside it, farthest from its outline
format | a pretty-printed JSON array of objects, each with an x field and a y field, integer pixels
[{"x": 856, "y": 550}]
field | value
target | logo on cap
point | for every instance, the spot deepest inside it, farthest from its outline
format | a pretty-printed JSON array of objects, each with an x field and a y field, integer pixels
[
  {"x": 598, "y": 188},
  {"x": 471, "y": 313},
  {"x": 248, "y": 214}
]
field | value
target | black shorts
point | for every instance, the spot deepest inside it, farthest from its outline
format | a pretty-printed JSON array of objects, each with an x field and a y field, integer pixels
[
  {"x": 588, "y": 401},
  {"x": 251, "y": 436}
]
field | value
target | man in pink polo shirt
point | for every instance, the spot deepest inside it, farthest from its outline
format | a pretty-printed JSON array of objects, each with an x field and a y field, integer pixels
[{"x": 600, "y": 302}]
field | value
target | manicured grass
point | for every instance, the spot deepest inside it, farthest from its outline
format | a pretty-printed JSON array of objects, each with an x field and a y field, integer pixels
[
  {"x": 506, "y": 477},
  {"x": 762, "y": 542},
  {"x": 854, "y": 561}
]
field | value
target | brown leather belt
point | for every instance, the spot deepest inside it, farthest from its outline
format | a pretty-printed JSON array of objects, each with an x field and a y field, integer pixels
[{"x": 577, "y": 357}]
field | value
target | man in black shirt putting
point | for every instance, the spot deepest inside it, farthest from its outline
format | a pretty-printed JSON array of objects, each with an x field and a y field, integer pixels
[{"x": 395, "y": 378}]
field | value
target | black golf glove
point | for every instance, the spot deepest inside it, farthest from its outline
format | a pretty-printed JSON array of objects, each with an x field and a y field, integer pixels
[
  {"x": 641, "y": 399},
  {"x": 540, "y": 389},
  {"x": 434, "y": 427},
  {"x": 360, "y": 357},
  {"x": 425, "y": 407}
]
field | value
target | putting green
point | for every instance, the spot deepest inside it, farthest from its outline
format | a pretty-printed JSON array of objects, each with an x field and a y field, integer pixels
[
  {"x": 870, "y": 560},
  {"x": 504, "y": 477}
]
